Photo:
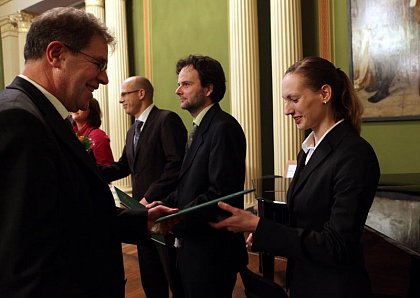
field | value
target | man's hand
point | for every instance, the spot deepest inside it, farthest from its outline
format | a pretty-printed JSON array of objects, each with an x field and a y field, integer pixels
[
  {"x": 144, "y": 202},
  {"x": 249, "y": 241},
  {"x": 240, "y": 221},
  {"x": 154, "y": 213},
  {"x": 154, "y": 204}
]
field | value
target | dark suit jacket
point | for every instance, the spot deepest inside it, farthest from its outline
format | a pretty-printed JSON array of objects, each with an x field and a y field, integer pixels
[
  {"x": 214, "y": 166},
  {"x": 60, "y": 232},
  {"x": 328, "y": 201},
  {"x": 156, "y": 163}
]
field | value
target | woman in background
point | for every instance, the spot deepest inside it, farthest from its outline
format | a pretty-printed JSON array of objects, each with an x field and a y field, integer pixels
[
  {"x": 86, "y": 124},
  {"x": 330, "y": 194}
]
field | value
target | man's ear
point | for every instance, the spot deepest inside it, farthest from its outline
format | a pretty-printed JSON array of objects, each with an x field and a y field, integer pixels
[
  {"x": 141, "y": 93},
  {"x": 55, "y": 53},
  {"x": 208, "y": 90}
]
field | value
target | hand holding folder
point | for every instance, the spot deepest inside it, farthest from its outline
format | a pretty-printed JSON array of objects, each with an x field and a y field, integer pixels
[
  {"x": 130, "y": 203},
  {"x": 200, "y": 206}
]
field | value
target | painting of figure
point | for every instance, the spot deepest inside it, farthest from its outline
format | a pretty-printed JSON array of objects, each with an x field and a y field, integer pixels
[{"x": 386, "y": 57}]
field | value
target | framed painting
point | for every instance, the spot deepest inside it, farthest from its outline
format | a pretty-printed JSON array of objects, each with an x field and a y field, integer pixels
[{"x": 385, "y": 57}]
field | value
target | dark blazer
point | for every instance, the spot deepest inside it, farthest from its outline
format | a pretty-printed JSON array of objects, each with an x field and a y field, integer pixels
[
  {"x": 60, "y": 232},
  {"x": 214, "y": 166},
  {"x": 328, "y": 201},
  {"x": 156, "y": 163}
]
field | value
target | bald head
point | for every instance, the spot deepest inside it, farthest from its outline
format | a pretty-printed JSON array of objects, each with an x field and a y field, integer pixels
[
  {"x": 138, "y": 82},
  {"x": 136, "y": 95}
]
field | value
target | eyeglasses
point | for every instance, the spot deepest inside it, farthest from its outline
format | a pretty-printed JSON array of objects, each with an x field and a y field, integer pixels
[
  {"x": 128, "y": 92},
  {"x": 100, "y": 63}
]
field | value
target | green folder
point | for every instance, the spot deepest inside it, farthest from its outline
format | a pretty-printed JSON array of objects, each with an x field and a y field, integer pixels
[
  {"x": 130, "y": 203},
  {"x": 212, "y": 202}
]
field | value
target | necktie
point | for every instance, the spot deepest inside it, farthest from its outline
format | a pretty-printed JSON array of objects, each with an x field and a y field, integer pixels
[
  {"x": 137, "y": 130},
  {"x": 191, "y": 135},
  {"x": 68, "y": 122}
]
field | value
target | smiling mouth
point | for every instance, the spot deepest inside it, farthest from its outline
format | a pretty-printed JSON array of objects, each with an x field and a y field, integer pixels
[
  {"x": 92, "y": 88},
  {"x": 297, "y": 119}
]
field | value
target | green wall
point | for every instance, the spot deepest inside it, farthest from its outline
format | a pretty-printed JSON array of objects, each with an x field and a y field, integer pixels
[
  {"x": 177, "y": 29},
  {"x": 134, "y": 13},
  {"x": 396, "y": 144},
  {"x": 183, "y": 27}
]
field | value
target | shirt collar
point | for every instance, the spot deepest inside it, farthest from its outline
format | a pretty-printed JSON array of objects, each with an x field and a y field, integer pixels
[
  {"x": 309, "y": 142},
  {"x": 143, "y": 116},
  {"x": 54, "y": 101},
  {"x": 197, "y": 120}
]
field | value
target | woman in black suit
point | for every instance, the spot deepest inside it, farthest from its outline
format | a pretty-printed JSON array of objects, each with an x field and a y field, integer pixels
[{"x": 331, "y": 192}]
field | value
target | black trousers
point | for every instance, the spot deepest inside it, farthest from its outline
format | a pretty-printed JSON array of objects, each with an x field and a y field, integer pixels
[
  {"x": 158, "y": 269},
  {"x": 202, "y": 279}
]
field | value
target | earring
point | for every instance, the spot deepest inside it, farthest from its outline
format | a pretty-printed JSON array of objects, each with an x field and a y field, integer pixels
[{"x": 325, "y": 102}]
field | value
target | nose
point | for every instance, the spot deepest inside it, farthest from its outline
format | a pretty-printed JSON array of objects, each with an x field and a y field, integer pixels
[
  {"x": 178, "y": 90},
  {"x": 103, "y": 77},
  {"x": 288, "y": 108}
]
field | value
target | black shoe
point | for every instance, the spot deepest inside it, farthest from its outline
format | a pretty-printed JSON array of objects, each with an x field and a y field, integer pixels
[
  {"x": 373, "y": 87},
  {"x": 378, "y": 96}
]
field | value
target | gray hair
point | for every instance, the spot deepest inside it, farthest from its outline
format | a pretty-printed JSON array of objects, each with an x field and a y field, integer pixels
[{"x": 72, "y": 26}]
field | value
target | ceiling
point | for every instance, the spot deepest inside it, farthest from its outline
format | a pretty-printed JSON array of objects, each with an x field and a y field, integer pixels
[{"x": 44, "y": 5}]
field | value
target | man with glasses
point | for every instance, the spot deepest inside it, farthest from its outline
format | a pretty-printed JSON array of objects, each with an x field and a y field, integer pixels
[
  {"x": 153, "y": 154},
  {"x": 102, "y": 64},
  {"x": 60, "y": 232}
]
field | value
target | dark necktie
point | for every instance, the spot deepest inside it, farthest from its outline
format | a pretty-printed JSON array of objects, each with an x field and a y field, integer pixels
[
  {"x": 137, "y": 130},
  {"x": 192, "y": 134},
  {"x": 69, "y": 123}
]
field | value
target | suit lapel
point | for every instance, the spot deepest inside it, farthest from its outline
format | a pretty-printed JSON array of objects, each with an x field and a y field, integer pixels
[
  {"x": 129, "y": 146},
  {"x": 325, "y": 148},
  {"x": 300, "y": 166},
  {"x": 317, "y": 158},
  {"x": 54, "y": 121},
  {"x": 145, "y": 133}
]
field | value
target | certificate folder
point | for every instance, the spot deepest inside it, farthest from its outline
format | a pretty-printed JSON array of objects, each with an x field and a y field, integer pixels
[
  {"x": 130, "y": 203},
  {"x": 212, "y": 202}
]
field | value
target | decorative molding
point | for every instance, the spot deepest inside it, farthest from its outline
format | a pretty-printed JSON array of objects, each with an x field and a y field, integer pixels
[
  {"x": 99, "y": 3},
  {"x": 146, "y": 36},
  {"x": 286, "y": 49},
  {"x": 115, "y": 16},
  {"x": 4, "y": 2},
  {"x": 244, "y": 82},
  {"x": 324, "y": 29},
  {"x": 23, "y": 21},
  {"x": 97, "y": 8},
  {"x": 9, "y": 27}
]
